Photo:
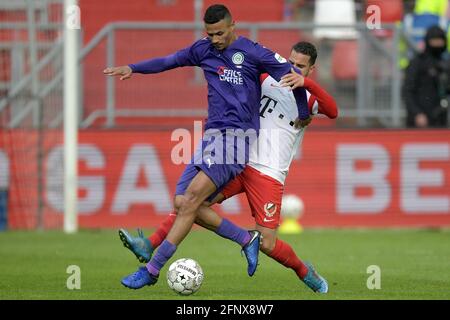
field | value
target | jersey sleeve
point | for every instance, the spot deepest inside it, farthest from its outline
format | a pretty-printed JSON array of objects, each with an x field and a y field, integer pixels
[
  {"x": 272, "y": 63},
  {"x": 320, "y": 101},
  {"x": 190, "y": 56},
  {"x": 154, "y": 65},
  {"x": 185, "y": 57},
  {"x": 313, "y": 106}
]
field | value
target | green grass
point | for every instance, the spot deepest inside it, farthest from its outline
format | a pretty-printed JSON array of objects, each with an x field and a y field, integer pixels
[{"x": 415, "y": 264}]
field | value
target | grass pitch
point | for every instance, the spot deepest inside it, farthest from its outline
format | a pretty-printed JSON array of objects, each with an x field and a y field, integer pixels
[{"x": 414, "y": 264}]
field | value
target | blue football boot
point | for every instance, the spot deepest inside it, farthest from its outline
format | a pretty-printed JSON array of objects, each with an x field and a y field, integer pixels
[
  {"x": 251, "y": 251},
  {"x": 140, "y": 245},
  {"x": 139, "y": 279},
  {"x": 315, "y": 281}
]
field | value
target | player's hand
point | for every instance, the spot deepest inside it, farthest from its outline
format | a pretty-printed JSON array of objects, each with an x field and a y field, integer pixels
[
  {"x": 124, "y": 71},
  {"x": 302, "y": 123},
  {"x": 292, "y": 80}
]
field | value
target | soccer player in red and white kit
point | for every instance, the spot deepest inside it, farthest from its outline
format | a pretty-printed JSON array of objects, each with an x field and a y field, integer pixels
[{"x": 264, "y": 176}]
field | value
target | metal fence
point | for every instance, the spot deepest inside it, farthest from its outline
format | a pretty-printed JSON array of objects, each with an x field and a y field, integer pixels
[
  {"x": 31, "y": 56},
  {"x": 370, "y": 97},
  {"x": 30, "y": 98}
]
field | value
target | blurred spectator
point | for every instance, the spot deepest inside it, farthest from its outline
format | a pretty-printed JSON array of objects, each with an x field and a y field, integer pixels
[
  {"x": 425, "y": 14},
  {"x": 426, "y": 82}
]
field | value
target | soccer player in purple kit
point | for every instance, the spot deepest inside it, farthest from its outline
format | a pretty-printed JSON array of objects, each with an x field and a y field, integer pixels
[{"x": 232, "y": 67}]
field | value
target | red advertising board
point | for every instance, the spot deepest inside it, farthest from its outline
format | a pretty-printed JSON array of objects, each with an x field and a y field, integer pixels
[{"x": 127, "y": 179}]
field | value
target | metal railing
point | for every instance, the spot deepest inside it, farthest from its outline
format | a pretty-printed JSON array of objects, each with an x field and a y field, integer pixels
[
  {"x": 364, "y": 107},
  {"x": 25, "y": 92}
]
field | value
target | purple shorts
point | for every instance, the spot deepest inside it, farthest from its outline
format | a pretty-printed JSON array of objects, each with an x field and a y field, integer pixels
[{"x": 221, "y": 156}]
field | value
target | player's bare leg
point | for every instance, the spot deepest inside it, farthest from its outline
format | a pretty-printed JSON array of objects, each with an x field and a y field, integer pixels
[
  {"x": 186, "y": 205},
  {"x": 209, "y": 219}
]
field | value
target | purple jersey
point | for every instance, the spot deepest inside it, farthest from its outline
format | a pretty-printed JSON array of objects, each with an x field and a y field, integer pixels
[{"x": 234, "y": 88}]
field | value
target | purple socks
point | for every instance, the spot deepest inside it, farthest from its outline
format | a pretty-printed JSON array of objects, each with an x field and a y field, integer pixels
[
  {"x": 164, "y": 253},
  {"x": 166, "y": 250},
  {"x": 231, "y": 231}
]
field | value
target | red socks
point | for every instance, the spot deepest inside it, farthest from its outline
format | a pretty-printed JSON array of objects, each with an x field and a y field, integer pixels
[
  {"x": 283, "y": 253},
  {"x": 160, "y": 234}
]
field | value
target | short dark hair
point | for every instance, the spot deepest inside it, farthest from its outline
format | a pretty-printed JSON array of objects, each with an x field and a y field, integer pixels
[
  {"x": 215, "y": 13},
  {"x": 306, "y": 48}
]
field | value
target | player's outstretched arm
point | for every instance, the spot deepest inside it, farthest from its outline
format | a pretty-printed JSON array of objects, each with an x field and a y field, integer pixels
[
  {"x": 124, "y": 72},
  {"x": 155, "y": 65},
  {"x": 181, "y": 58}
]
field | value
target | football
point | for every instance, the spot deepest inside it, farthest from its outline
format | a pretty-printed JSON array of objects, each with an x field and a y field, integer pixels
[{"x": 185, "y": 276}]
